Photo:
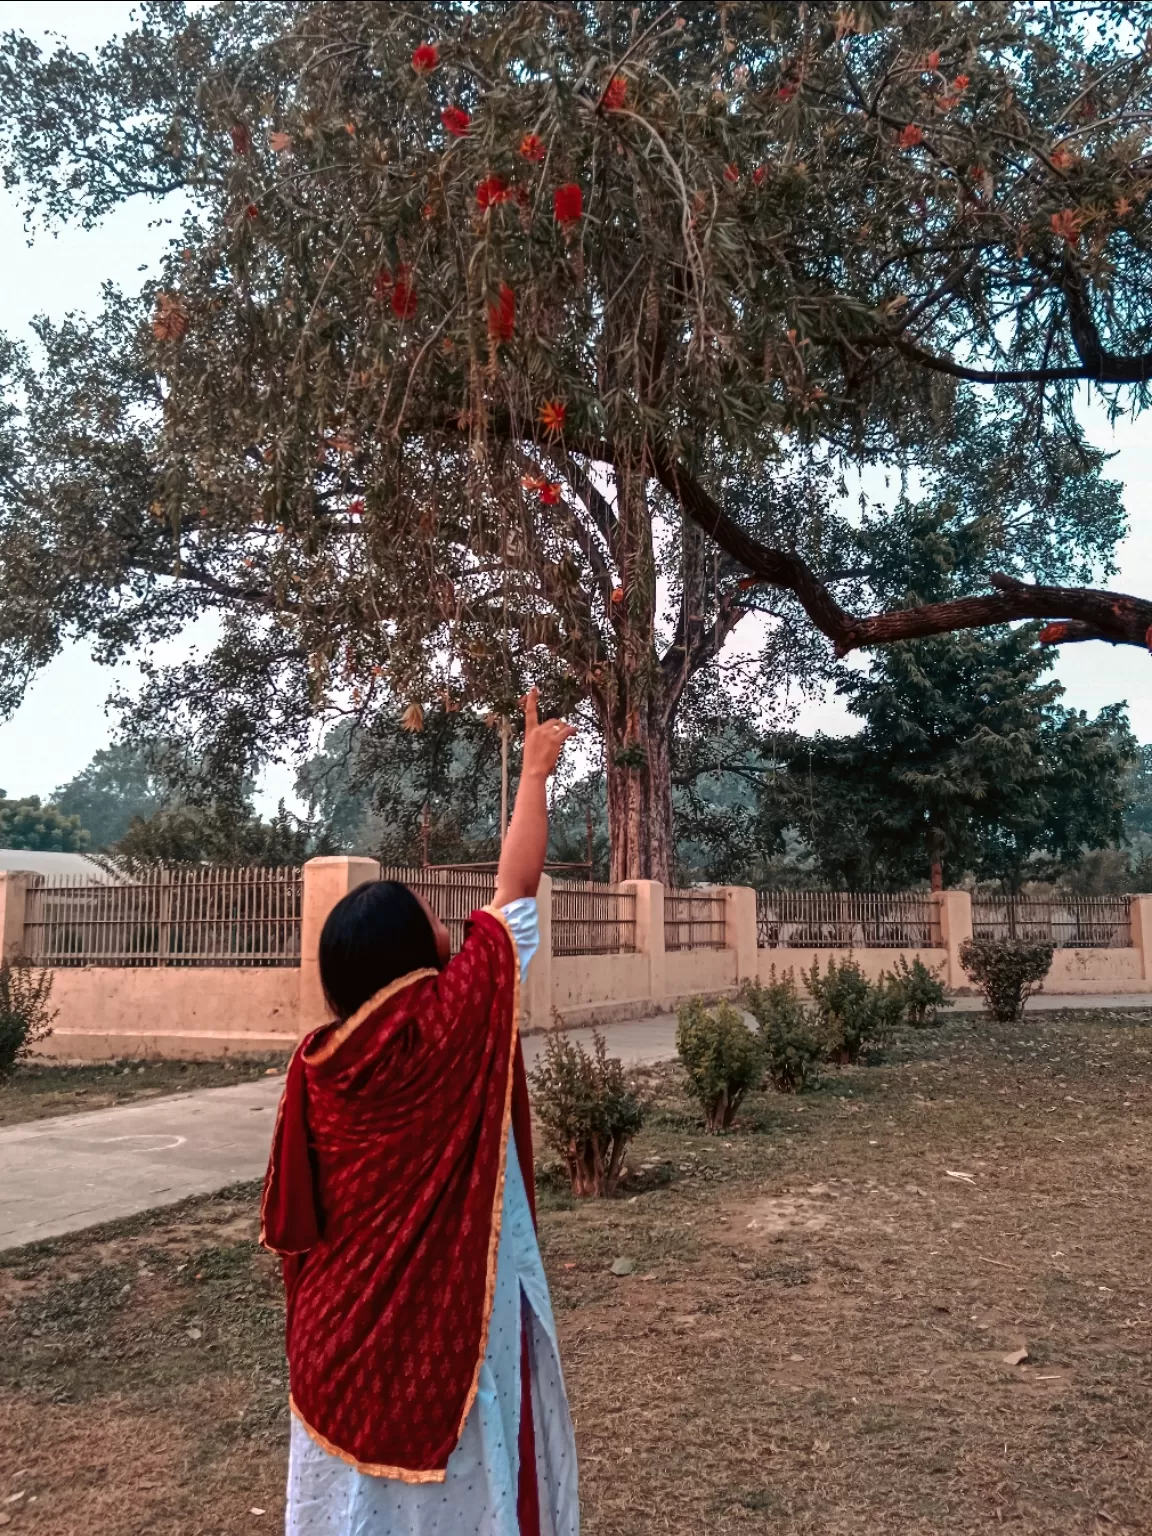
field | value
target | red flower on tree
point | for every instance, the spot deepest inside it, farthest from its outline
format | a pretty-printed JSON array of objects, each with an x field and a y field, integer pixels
[
  {"x": 550, "y": 493},
  {"x": 552, "y": 414},
  {"x": 910, "y": 136},
  {"x": 532, "y": 147},
  {"x": 252, "y": 211},
  {"x": 502, "y": 314},
  {"x": 1067, "y": 224},
  {"x": 732, "y": 172},
  {"x": 383, "y": 282},
  {"x": 241, "y": 139},
  {"x": 568, "y": 203},
  {"x": 403, "y": 293},
  {"x": 616, "y": 93},
  {"x": 425, "y": 58},
  {"x": 760, "y": 175},
  {"x": 492, "y": 190},
  {"x": 961, "y": 83},
  {"x": 456, "y": 121},
  {"x": 356, "y": 508}
]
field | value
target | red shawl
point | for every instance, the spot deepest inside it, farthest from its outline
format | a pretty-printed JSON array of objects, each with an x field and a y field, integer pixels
[{"x": 384, "y": 1195}]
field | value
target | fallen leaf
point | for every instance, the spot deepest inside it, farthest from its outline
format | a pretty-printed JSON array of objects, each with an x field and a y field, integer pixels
[
  {"x": 255, "y": 1511},
  {"x": 1017, "y": 1357},
  {"x": 623, "y": 1266},
  {"x": 969, "y": 1178},
  {"x": 194, "y": 1333}
]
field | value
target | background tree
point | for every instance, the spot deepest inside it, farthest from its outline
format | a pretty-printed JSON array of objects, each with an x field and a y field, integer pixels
[
  {"x": 485, "y": 321},
  {"x": 119, "y": 785},
  {"x": 966, "y": 764},
  {"x": 25, "y": 823}
]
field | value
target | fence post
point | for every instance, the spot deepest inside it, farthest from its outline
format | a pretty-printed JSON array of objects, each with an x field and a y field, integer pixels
[
  {"x": 325, "y": 881},
  {"x": 650, "y": 932},
  {"x": 536, "y": 998},
  {"x": 13, "y": 887},
  {"x": 740, "y": 928},
  {"x": 954, "y": 914},
  {"x": 1141, "y": 918}
]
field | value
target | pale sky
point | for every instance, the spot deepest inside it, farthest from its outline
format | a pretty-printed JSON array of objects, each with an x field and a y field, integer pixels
[{"x": 63, "y": 721}]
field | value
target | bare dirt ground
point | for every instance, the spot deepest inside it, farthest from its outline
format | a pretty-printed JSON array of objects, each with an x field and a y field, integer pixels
[
  {"x": 38, "y": 1090},
  {"x": 821, "y": 1333}
]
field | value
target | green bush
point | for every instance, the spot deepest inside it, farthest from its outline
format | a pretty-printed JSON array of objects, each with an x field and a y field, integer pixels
[
  {"x": 1007, "y": 971},
  {"x": 589, "y": 1109},
  {"x": 791, "y": 1044},
  {"x": 25, "y": 1018},
  {"x": 920, "y": 992},
  {"x": 721, "y": 1056},
  {"x": 853, "y": 1012}
]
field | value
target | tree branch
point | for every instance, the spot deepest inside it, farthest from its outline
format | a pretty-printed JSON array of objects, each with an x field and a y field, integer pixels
[{"x": 1092, "y": 614}]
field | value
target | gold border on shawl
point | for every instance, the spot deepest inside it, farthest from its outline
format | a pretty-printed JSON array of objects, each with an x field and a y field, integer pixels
[
  {"x": 372, "y": 1468},
  {"x": 404, "y": 1474},
  {"x": 498, "y": 1201},
  {"x": 271, "y": 1174},
  {"x": 342, "y": 1031}
]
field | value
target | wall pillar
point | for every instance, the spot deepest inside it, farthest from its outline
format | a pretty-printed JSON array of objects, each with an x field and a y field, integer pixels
[
  {"x": 954, "y": 913},
  {"x": 326, "y": 881},
  {"x": 1142, "y": 933},
  {"x": 740, "y": 928},
  {"x": 536, "y": 991},
  {"x": 650, "y": 932},
  {"x": 13, "y": 885}
]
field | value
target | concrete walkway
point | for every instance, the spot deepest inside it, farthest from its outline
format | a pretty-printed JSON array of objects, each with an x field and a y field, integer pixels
[{"x": 75, "y": 1171}]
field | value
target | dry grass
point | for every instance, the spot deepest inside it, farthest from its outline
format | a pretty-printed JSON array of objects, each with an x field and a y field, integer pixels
[
  {"x": 40, "y": 1089},
  {"x": 813, "y": 1340}
]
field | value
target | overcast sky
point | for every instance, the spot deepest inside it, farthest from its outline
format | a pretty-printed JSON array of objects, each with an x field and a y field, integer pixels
[{"x": 63, "y": 719}]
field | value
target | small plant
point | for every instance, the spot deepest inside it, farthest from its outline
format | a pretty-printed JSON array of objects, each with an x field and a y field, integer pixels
[
  {"x": 1007, "y": 971},
  {"x": 791, "y": 1044},
  {"x": 722, "y": 1058},
  {"x": 589, "y": 1109},
  {"x": 920, "y": 992},
  {"x": 853, "y": 1012},
  {"x": 25, "y": 1017}
]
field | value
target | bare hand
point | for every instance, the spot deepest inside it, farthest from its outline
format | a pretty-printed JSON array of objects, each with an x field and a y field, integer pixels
[{"x": 543, "y": 739}]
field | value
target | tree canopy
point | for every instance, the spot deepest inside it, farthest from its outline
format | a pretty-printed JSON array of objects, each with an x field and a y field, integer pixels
[
  {"x": 26, "y": 823},
  {"x": 504, "y": 341}
]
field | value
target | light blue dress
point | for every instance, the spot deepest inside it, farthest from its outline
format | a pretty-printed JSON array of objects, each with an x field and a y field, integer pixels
[{"x": 327, "y": 1497}]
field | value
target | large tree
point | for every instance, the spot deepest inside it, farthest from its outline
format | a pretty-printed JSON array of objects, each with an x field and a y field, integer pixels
[{"x": 501, "y": 341}]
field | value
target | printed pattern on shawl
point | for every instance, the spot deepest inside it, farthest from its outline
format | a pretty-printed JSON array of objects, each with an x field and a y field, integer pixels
[{"x": 407, "y": 1123}]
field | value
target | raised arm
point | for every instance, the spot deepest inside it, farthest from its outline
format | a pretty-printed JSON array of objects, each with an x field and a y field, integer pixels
[{"x": 522, "y": 857}]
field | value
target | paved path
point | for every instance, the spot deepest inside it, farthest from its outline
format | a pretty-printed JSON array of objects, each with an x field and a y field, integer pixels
[{"x": 77, "y": 1170}]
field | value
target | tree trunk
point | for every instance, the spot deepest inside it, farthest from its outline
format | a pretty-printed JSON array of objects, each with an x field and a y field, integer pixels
[{"x": 639, "y": 801}]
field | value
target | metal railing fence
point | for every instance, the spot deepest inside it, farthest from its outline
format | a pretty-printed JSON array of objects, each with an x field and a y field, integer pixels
[
  {"x": 182, "y": 917},
  {"x": 1068, "y": 922},
  {"x": 846, "y": 920},
  {"x": 694, "y": 919},
  {"x": 453, "y": 894},
  {"x": 592, "y": 919}
]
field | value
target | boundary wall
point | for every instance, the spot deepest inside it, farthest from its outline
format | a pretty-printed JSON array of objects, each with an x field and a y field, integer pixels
[{"x": 206, "y": 1011}]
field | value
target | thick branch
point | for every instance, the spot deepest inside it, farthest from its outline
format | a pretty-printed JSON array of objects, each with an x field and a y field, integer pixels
[{"x": 1094, "y": 614}]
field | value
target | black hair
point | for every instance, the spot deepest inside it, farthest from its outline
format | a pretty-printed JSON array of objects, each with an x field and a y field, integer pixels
[{"x": 373, "y": 935}]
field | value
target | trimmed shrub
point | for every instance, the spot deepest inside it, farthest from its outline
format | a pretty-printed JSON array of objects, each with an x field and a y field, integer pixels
[
  {"x": 919, "y": 991},
  {"x": 25, "y": 1017},
  {"x": 721, "y": 1056},
  {"x": 853, "y": 1013},
  {"x": 589, "y": 1109},
  {"x": 791, "y": 1044},
  {"x": 1007, "y": 971}
]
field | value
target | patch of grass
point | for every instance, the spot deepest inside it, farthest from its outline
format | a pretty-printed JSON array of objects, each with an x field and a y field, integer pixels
[{"x": 41, "y": 1089}]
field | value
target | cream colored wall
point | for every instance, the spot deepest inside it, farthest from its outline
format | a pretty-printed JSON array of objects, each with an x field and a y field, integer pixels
[
  {"x": 1096, "y": 970},
  {"x": 690, "y": 972},
  {"x": 592, "y": 989},
  {"x": 111, "y": 1011}
]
